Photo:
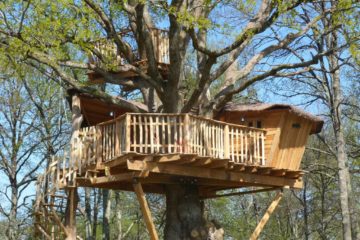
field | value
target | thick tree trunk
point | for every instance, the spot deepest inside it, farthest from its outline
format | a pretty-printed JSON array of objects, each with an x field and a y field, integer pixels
[{"x": 184, "y": 215}]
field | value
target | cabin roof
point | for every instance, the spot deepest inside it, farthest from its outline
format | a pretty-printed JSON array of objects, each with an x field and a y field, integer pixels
[
  {"x": 259, "y": 107},
  {"x": 97, "y": 110}
]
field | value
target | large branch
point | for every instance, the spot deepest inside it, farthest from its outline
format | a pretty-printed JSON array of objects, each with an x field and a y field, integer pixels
[
  {"x": 43, "y": 59},
  {"x": 226, "y": 94},
  {"x": 111, "y": 31},
  {"x": 267, "y": 15},
  {"x": 145, "y": 81}
]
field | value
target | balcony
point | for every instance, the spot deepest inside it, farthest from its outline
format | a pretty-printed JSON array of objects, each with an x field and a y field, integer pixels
[
  {"x": 107, "y": 56},
  {"x": 170, "y": 134}
]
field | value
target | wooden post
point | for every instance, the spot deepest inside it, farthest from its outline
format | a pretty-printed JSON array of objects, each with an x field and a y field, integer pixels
[
  {"x": 127, "y": 132},
  {"x": 226, "y": 142},
  {"x": 186, "y": 133},
  {"x": 145, "y": 210},
  {"x": 266, "y": 216},
  {"x": 99, "y": 148},
  {"x": 117, "y": 139}
]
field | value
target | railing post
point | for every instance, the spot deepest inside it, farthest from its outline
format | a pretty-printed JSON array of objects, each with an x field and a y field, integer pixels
[
  {"x": 117, "y": 138},
  {"x": 226, "y": 142},
  {"x": 186, "y": 133},
  {"x": 263, "y": 148},
  {"x": 127, "y": 132},
  {"x": 99, "y": 149}
]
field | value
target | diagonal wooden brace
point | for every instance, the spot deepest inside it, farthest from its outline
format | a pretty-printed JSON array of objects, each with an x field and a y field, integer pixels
[
  {"x": 266, "y": 216},
  {"x": 145, "y": 209}
]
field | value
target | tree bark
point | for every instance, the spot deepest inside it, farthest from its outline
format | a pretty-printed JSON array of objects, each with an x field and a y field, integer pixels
[
  {"x": 107, "y": 195},
  {"x": 349, "y": 231},
  {"x": 12, "y": 227},
  {"x": 70, "y": 214},
  {"x": 88, "y": 229},
  {"x": 184, "y": 215}
]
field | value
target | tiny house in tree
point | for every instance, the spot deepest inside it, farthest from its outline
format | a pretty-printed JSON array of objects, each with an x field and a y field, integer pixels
[
  {"x": 128, "y": 148},
  {"x": 287, "y": 129}
]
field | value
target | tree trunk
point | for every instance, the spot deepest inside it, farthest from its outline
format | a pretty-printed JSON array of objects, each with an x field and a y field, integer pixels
[
  {"x": 118, "y": 215},
  {"x": 12, "y": 227},
  {"x": 349, "y": 231},
  {"x": 184, "y": 215},
  {"x": 97, "y": 199},
  {"x": 107, "y": 195},
  {"x": 88, "y": 230},
  {"x": 70, "y": 214}
]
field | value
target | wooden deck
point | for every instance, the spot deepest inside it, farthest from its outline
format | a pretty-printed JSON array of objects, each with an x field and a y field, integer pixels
[{"x": 158, "y": 149}]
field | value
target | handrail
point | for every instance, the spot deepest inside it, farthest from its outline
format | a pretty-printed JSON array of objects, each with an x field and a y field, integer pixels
[{"x": 171, "y": 133}]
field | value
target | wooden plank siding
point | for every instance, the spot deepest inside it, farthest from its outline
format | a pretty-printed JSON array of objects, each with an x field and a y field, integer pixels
[{"x": 286, "y": 135}]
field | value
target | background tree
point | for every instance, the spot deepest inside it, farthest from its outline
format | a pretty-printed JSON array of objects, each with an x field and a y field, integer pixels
[{"x": 32, "y": 125}]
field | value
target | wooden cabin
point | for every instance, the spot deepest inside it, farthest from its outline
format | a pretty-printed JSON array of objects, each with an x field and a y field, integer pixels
[
  {"x": 106, "y": 54},
  {"x": 287, "y": 129}
]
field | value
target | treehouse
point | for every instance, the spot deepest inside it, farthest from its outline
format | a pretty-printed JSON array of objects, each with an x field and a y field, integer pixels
[
  {"x": 257, "y": 145},
  {"x": 106, "y": 55}
]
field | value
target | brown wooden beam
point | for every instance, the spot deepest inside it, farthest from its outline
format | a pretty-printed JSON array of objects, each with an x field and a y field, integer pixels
[
  {"x": 202, "y": 172},
  {"x": 266, "y": 216},
  {"x": 244, "y": 193},
  {"x": 145, "y": 210}
]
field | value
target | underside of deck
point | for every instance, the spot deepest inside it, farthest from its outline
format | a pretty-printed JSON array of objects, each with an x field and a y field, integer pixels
[{"x": 209, "y": 174}]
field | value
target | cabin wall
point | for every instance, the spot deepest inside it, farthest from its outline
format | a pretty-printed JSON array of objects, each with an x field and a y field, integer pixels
[
  {"x": 286, "y": 135},
  {"x": 294, "y": 134},
  {"x": 268, "y": 120}
]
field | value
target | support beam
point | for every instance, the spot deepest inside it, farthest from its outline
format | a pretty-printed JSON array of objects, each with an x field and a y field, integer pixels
[
  {"x": 201, "y": 172},
  {"x": 145, "y": 210},
  {"x": 266, "y": 216},
  {"x": 244, "y": 193}
]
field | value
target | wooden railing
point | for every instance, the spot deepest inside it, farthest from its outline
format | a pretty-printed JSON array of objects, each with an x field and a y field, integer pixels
[
  {"x": 106, "y": 49},
  {"x": 168, "y": 134}
]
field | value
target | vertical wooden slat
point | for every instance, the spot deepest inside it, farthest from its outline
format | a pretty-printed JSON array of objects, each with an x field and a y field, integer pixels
[
  {"x": 99, "y": 144},
  {"x": 163, "y": 139},
  {"x": 135, "y": 142},
  {"x": 186, "y": 133},
  {"x": 246, "y": 146},
  {"x": 232, "y": 144},
  {"x": 226, "y": 142},
  {"x": 151, "y": 134},
  {"x": 175, "y": 127},
  {"x": 141, "y": 133},
  {"x": 181, "y": 141},
  {"x": 258, "y": 160},
  {"x": 146, "y": 124},
  {"x": 157, "y": 126},
  {"x": 128, "y": 136},
  {"x": 262, "y": 148},
  {"x": 169, "y": 134}
]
